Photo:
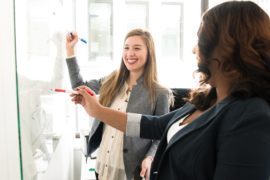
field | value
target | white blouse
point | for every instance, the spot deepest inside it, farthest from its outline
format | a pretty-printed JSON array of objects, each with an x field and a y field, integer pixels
[
  {"x": 110, "y": 162},
  {"x": 175, "y": 127}
]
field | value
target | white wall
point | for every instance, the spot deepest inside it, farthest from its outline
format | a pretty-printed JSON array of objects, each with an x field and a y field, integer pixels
[{"x": 9, "y": 147}]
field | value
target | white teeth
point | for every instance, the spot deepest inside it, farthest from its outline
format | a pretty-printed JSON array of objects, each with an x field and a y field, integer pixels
[{"x": 131, "y": 61}]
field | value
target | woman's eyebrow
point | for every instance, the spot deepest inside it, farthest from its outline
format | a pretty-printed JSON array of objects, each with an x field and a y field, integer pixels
[{"x": 134, "y": 45}]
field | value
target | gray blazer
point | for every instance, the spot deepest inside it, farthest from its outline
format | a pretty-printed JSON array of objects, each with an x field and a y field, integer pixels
[{"x": 135, "y": 149}]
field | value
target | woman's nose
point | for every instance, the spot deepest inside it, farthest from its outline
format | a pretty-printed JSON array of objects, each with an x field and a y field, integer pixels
[
  {"x": 194, "y": 49},
  {"x": 130, "y": 53}
]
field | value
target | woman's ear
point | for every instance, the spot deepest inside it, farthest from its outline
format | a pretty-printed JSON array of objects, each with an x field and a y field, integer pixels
[{"x": 233, "y": 73}]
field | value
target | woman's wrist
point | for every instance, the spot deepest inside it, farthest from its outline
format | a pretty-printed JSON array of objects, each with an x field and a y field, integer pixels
[
  {"x": 70, "y": 57},
  {"x": 149, "y": 157},
  {"x": 70, "y": 52}
]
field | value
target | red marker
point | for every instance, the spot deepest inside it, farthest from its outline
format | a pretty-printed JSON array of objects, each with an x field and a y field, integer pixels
[
  {"x": 70, "y": 91},
  {"x": 89, "y": 92},
  {"x": 63, "y": 90}
]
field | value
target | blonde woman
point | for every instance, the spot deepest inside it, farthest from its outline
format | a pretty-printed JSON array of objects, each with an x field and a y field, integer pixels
[{"x": 133, "y": 87}]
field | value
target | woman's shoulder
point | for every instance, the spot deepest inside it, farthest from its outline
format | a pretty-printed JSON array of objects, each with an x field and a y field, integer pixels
[
  {"x": 244, "y": 112},
  {"x": 250, "y": 102},
  {"x": 250, "y": 105},
  {"x": 165, "y": 93},
  {"x": 162, "y": 89},
  {"x": 256, "y": 103}
]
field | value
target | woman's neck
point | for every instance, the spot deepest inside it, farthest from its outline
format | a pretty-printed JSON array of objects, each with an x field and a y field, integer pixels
[
  {"x": 132, "y": 80},
  {"x": 222, "y": 93}
]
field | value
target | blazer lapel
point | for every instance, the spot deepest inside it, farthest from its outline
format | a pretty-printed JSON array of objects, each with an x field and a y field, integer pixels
[
  {"x": 185, "y": 110},
  {"x": 201, "y": 121}
]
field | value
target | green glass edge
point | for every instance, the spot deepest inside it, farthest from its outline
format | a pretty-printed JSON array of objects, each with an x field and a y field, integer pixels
[{"x": 17, "y": 93}]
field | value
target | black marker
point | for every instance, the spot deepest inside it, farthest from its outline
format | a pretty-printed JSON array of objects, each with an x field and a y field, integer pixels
[{"x": 81, "y": 39}]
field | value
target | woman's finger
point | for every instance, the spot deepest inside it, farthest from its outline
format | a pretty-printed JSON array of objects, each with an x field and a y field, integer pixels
[
  {"x": 86, "y": 90},
  {"x": 142, "y": 174}
]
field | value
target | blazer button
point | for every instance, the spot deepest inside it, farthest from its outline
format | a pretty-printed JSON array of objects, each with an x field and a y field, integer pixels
[{"x": 125, "y": 150}]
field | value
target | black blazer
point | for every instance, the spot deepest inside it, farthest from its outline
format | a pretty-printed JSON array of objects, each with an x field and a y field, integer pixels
[{"x": 231, "y": 141}]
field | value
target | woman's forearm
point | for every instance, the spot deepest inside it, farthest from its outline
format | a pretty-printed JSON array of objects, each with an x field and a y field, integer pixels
[
  {"x": 70, "y": 52},
  {"x": 112, "y": 117}
]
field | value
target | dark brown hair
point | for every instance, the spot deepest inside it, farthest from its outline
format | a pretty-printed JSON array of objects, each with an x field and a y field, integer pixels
[{"x": 240, "y": 32}]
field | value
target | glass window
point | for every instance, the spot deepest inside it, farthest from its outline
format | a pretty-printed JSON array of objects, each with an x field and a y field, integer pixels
[
  {"x": 45, "y": 116},
  {"x": 175, "y": 35},
  {"x": 172, "y": 30},
  {"x": 136, "y": 14},
  {"x": 100, "y": 30}
]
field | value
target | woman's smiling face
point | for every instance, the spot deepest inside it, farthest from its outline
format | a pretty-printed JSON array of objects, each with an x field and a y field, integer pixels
[{"x": 135, "y": 54}]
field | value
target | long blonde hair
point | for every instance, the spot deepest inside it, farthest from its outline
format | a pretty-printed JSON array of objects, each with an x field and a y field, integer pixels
[{"x": 114, "y": 83}]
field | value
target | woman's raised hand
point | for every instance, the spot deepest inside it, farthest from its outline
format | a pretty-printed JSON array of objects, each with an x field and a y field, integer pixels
[{"x": 71, "y": 41}]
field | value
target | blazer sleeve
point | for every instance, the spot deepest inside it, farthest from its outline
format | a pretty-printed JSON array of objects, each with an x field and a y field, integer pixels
[
  {"x": 148, "y": 126},
  {"x": 243, "y": 150},
  {"x": 76, "y": 78},
  {"x": 153, "y": 127}
]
